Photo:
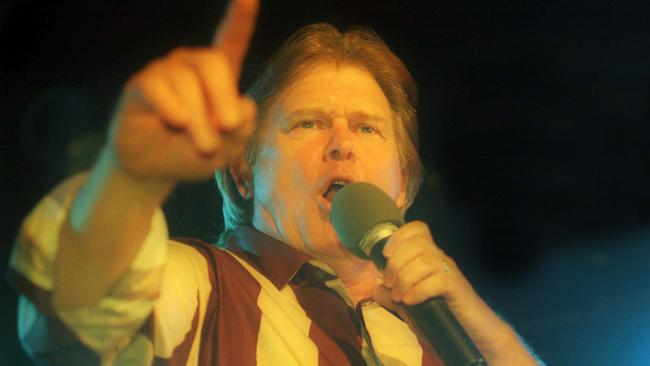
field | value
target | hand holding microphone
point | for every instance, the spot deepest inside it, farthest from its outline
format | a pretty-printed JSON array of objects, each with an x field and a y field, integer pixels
[{"x": 370, "y": 225}]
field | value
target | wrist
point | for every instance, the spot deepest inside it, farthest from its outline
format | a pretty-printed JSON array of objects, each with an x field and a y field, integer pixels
[
  {"x": 143, "y": 188},
  {"x": 109, "y": 191},
  {"x": 498, "y": 342},
  {"x": 509, "y": 349}
]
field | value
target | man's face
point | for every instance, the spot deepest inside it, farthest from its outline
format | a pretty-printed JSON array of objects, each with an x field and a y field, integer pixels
[{"x": 332, "y": 123}]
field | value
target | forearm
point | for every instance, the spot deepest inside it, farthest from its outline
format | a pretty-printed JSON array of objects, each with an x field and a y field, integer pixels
[
  {"x": 511, "y": 351},
  {"x": 105, "y": 227},
  {"x": 498, "y": 341}
]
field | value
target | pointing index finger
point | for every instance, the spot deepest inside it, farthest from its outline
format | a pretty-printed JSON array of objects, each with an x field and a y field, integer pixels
[{"x": 235, "y": 31}]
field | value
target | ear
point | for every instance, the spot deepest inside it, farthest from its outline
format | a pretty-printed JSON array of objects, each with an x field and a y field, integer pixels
[{"x": 241, "y": 173}]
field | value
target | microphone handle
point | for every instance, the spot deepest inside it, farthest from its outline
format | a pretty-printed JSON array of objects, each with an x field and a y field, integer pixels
[{"x": 438, "y": 324}]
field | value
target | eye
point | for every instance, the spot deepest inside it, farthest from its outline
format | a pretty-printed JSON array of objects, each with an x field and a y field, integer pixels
[
  {"x": 307, "y": 124},
  {"x": 367, "y": 129}
]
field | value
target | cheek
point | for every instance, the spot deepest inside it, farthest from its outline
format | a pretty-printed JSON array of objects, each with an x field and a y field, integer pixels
[
  {"x": 285, "y": 164},
  {"x": 385, "y": 169},
  {"x": 306, "y": 155},
  {"x": 267, "y": 171},
  {"x": 308, "y": 161}
]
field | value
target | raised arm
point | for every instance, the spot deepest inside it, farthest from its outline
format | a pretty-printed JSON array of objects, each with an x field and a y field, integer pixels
[{"x": 178, "y": 119}]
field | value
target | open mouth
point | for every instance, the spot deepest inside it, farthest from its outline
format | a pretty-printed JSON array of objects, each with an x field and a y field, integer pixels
[{"x": 333, "y": 189}]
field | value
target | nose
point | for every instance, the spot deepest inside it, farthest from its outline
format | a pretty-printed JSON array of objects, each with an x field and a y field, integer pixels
[{"x": 340, "y": 146}]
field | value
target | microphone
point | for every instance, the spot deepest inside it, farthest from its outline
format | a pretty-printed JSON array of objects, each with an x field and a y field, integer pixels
[{"x": 364, "y": 217}]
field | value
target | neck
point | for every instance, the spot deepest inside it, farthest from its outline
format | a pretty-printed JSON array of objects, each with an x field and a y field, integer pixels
[{"x": 359, "y": 277}]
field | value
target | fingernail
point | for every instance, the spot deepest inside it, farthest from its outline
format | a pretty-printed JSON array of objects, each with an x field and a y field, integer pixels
[
  {"x": 388, "y": 283},
  {"x": 395, "y": 296}
]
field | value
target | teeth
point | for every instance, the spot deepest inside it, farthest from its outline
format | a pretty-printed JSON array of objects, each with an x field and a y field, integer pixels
[{"x": 333, "y": 189}]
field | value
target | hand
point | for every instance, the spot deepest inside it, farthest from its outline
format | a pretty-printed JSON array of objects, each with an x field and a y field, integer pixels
[
  {"x": 182, "y": 116},
  {"x": 417, "y": 270}
]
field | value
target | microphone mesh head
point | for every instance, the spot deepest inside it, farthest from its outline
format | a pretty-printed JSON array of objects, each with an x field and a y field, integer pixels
[{"x": 357, "y": 208}]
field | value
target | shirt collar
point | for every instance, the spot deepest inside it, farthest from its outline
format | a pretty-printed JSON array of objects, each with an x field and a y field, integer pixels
[{"x": 278, "y": 261}]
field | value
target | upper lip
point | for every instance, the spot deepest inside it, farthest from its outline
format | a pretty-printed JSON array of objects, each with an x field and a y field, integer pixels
[{"x": 347, "y": 179}]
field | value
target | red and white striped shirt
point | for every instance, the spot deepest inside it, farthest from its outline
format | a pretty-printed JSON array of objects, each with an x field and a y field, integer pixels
[{"x": 255, "y": 302}]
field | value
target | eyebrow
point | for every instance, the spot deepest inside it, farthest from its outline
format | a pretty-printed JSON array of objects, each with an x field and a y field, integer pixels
[
  {"x": 354, "y": 116},
  {"x": 307, "y": 111}
]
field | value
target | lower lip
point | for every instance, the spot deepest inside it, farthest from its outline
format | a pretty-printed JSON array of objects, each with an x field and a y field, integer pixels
[{"x": 324, "y": 205}]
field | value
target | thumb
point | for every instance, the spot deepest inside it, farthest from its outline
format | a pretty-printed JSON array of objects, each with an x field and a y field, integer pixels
[{"x": 381, "y": 294}]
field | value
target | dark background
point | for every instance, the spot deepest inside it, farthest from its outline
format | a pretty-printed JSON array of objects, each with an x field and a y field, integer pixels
[{"x": 534, "y": 124}]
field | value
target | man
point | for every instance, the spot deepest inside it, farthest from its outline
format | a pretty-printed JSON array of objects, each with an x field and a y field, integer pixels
[{"x": 102, "y": 283}]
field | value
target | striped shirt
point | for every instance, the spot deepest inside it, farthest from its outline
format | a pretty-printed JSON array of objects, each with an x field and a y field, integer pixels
[{"x": 257, "y": 301}]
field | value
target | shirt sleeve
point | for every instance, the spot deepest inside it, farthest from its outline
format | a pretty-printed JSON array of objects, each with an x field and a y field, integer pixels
[{"x": 111, "y": 329}]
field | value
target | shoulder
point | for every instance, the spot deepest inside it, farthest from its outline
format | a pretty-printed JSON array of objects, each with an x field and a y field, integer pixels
[
  {"x": 194, "y": 253},
  {"x": 193, "y": 250}
]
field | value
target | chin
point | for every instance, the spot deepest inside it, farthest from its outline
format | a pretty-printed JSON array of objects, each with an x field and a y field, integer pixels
[{"x": 327, "y": 243}]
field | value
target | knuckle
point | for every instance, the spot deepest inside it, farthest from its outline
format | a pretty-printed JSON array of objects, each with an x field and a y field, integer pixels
[
  {"x": 151, "y": 70},
  {"x": 394, "y": 294},
  {"x": 424, "y": 263},
  {"x": 450, "y": 261},
  {"x": 134, "y": 82},
  {"x": 389, "y": 276},
  {"x": 180, "y": 53},
  {"x": 206, "y": 59},
  {"x": 445, "y": 284},
  {"x": 217, "y": 57},
  {"x": 422, "y": 227},
  {"x": 402, "y": 283},
  {"x": 419, "y": 224},
  {"x": 243, "y": 133},
  {"x": 212, "y": 60},
  {"x": 389, "y": 280},
  {"x": 182, "y": 71}
]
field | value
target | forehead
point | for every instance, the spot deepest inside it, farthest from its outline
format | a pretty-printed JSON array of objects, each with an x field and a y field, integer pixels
[{"x": 334, "y": 88}]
